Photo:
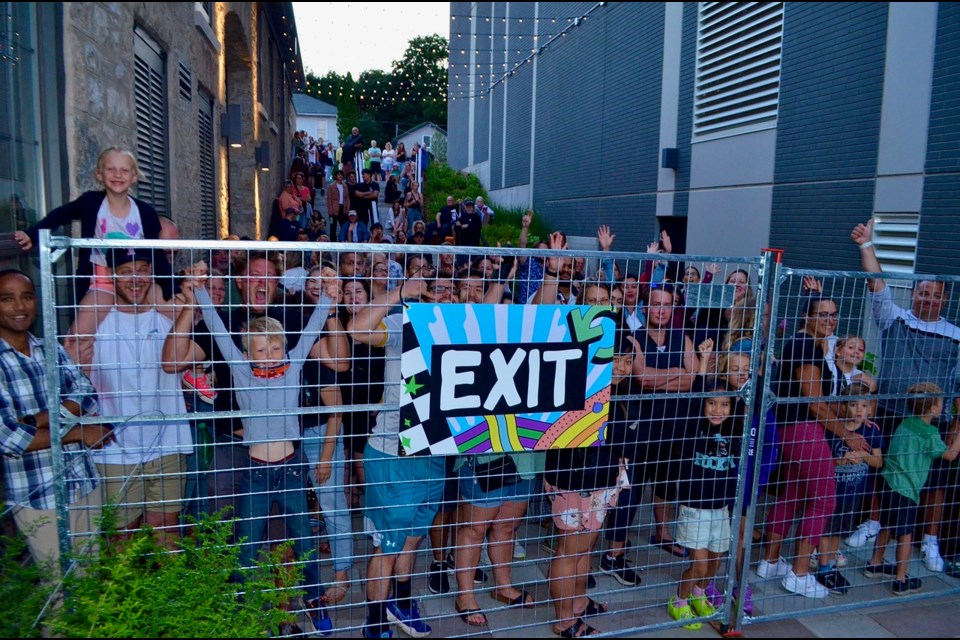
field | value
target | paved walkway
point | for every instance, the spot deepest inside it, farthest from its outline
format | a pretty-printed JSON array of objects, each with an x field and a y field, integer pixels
[{"x": 641, "y": 610}]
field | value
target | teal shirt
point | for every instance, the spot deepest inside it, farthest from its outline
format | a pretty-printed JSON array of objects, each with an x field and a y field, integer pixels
[{"x": 913, "y": 448}]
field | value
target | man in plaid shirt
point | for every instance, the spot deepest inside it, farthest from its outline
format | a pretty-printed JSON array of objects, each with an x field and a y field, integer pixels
[{"x": 25, "y": 427}]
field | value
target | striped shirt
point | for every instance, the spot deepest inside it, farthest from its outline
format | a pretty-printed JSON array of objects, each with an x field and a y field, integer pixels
[{"x": 28, "y": 475}]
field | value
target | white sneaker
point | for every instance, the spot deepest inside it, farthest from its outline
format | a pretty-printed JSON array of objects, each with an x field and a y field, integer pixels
[
  {"x": 932, "y": 559},
  {"x": 841, "y": 559},
  {"x": 776, "y": 569},
  {"x": 866, "y": 532},
  {"x": 806, "y": 586},
  {"x": 519, "y": 551}
]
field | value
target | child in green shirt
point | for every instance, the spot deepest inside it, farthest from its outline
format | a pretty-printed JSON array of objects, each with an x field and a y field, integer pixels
[{"x": 916, "y": 443}]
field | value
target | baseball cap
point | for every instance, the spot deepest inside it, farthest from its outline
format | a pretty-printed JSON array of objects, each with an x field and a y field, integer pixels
[{"x": 117, "y": 257}]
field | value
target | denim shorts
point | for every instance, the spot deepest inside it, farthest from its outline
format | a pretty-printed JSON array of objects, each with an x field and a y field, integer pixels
[{"x": 471, "y": 492}]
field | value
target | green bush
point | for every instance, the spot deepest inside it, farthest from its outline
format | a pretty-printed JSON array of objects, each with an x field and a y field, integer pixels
[
  {"x": 136, "y": 589},
  {"x": 24, "y": 589},
  {"x": 506, "y": 228},
  {"x": 442, "y": 181}
]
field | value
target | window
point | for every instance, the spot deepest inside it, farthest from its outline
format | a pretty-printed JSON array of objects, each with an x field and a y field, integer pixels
[
  {"x": 425, "y": 140},
  {"x": 208, "y": 213},
  {"x": 204, "y": 9},
  {"x": 895, "y": 241},
  {"x": 185, "y": 80},
  {"x": 150, "y": 98},
  {"x": 737, "y": 86}
]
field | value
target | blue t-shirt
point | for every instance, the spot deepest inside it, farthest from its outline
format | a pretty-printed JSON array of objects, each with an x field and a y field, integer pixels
[{"x": 852, "y": 478}]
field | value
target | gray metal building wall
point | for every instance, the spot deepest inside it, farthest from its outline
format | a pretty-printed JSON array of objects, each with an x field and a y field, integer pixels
[
  {"x": 597, "y": 139},
  {"x": 939, "y": 231},
  {"x": 831, "y": 86},
  {"x": 458, "y": 108},
  {"x": 595, "y": 127}
]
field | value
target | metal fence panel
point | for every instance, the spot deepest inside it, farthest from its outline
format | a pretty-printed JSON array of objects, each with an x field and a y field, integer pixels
[{"x": 661, "y": 420}]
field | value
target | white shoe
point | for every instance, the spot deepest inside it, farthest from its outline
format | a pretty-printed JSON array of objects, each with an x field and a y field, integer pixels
[
  {"x": 866, "y": 532},
  {"x": 806, "y": 586},
  {"x": 841, "y": 559},
  {"x": 519, "y": 551},
  {"x": 932, "y": 559},
  {"x": 776, "y": 569}
]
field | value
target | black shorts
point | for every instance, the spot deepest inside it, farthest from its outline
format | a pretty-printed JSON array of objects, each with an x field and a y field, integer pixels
[{"x": 898, "y": 513}]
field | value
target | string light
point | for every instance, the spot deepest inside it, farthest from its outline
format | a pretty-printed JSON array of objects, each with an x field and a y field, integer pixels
[{"x": 572, "y": 23}]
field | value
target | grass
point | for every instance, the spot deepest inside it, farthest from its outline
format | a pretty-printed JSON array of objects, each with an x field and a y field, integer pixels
[{"x": 442, "y": 181}]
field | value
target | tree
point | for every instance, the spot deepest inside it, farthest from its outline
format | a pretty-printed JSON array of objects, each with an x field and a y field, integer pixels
[
  {"x": 421, "y": 77},
  {"x": 413, "y": 91},
  {"x": 348, "y": 113}
]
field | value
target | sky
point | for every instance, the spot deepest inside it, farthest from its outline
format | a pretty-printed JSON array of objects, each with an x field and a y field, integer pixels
[{"x": 359, "y": 36}]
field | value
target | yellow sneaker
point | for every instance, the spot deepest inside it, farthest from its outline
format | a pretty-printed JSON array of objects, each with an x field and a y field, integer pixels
[{"x": 682, "y": 613}]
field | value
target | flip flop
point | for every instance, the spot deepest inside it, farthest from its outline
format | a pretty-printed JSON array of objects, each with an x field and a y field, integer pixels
[
  {"x": 594, "y": 608},
  {"x": 466, "y": 613},
  {"x": 669, "y": 546},
  {"x": 335, "y": 592},
  {"x": 578, "y": 629},
  {"x": 520, "y": 602}
]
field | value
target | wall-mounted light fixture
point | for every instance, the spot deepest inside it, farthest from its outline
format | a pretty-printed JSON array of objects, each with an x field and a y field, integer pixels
[
  {"x": 231, "y": 126},
  {"x": 670, "y": 158},
  {"x": 262, "y": 155}
]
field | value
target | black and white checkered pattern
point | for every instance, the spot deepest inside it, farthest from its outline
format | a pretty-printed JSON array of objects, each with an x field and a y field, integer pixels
[{"x": 418, "y": 434}]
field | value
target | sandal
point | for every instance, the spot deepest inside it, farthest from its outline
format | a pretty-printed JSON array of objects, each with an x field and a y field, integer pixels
[
  {"x": 522, "y": 601},
  {"x": 594, "y": 608},
  {"x": 466, "y": 613},
  {"x": 669, "y": 546},
  {"x": 336, "y": 592},
  {"x": 578, "y": 629}
]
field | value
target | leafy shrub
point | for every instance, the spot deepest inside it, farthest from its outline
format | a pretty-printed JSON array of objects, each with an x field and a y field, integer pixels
[
  {"x": 442, "y": 181},
  {"x": 24, "y": 589},
  {"x": 137, "y": 589}
]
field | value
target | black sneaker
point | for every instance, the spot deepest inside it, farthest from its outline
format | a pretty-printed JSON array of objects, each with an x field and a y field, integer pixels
[
  {"x": 903, "y": 587},
  {"x": 438, "y": 581},
  {"x": 882, "y": 570},
  {"x": 619, "y": 569},
  {"x": 479, "y": 577},
  {"x": 591, "y": 581},
  {"x": 833, "y": 581}
]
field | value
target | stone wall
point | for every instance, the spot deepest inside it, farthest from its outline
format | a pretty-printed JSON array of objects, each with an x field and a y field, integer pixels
[{"x": 220, "y": 61}]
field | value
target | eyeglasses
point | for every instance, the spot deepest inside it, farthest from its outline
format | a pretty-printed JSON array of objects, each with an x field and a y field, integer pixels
[
  {"x": 826, "y": 315},
  {"x": 381, "y": 269},
  {"x": 441, "y": 289}
]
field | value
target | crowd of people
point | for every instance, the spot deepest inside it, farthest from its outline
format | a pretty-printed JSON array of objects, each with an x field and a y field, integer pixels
[
  {"x": 347, "y": 178},
  {"x": 306, "y": 345}
]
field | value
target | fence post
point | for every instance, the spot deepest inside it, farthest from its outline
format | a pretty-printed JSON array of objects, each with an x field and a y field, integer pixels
[
  {"x": 738, "y": 572},
  {"x": 48, "y": 296}
]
